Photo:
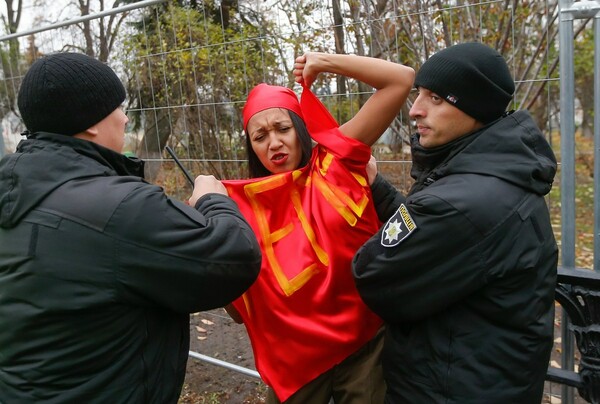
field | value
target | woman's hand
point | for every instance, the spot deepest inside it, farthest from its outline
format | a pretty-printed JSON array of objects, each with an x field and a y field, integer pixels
[
  {"x": 307, "y": 67},
  {"x": 371, "y": 170}
]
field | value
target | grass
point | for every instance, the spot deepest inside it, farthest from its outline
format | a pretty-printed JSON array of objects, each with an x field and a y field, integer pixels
[{"x": 584, "y": 202}]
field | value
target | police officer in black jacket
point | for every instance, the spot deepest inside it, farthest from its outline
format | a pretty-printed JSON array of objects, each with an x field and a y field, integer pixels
[
  {"x": 463, "y": 270},
  {"x": 99, "y": 269}
]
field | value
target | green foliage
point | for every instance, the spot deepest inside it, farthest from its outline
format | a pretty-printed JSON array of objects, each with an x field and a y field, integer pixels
[
  {"x": 584, "y": 77},
  {"x": 197, "y": 70},
  {"x": 10, "y": 59},
  {"x": 583, "y": 52}
]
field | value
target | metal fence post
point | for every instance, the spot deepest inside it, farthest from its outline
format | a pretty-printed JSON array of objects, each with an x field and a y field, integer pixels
[
  {"x": 2, "y": 146},
  {"x": 597, "y": 142},
  {"x": 570, "y": 11},
  {"x": 567, "y": 179}
]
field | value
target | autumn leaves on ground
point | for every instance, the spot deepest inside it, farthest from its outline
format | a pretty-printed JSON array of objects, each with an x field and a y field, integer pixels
[{"x": 215, "y": 335}]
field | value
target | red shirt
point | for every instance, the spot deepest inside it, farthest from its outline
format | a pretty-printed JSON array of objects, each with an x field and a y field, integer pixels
[{"x": 304, "y": 314}]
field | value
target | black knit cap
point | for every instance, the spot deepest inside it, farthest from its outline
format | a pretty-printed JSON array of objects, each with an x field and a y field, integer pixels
[
  {"x": 471, "y": 76},
  {"x": 67, "y": 93}
]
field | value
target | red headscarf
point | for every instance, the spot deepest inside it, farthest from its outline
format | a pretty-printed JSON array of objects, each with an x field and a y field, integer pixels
[{"x": 265, "y": 96}]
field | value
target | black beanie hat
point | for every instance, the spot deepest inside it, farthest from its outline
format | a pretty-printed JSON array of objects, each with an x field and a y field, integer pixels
[
  {"x": 67, "y": 93},
  {"x": 471, "y": 76}
]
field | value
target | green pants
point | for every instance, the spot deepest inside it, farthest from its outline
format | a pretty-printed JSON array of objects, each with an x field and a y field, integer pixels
[{"x": 356, "y": 380}]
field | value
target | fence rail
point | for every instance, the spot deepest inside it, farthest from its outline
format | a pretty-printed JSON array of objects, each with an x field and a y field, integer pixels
[{"x": 188, "y": 67}]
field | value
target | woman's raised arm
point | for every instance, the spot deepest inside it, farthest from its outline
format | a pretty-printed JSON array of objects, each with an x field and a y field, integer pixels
[{"x": 392, "y": 82}]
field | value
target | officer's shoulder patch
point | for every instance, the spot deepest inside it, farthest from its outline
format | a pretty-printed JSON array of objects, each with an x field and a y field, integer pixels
[{"x": 397, "y": 228}]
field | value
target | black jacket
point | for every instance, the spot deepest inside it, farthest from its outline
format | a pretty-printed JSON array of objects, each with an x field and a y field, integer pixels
[
  {"x": 99, "y": 271},
  {"x": 468, "y": 295}
]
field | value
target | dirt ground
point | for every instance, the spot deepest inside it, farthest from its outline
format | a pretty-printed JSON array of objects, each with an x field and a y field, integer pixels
[{"x": 214, "y": 334}]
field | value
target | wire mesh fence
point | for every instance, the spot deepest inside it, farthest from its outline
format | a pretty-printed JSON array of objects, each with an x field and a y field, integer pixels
[{"x": 189, "y": 65}]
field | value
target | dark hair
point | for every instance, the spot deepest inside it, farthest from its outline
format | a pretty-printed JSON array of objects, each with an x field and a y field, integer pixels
[{"x": 257, "y": 169}]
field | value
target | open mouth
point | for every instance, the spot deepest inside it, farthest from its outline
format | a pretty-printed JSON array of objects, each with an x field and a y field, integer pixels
[{"x": 279, "y": 158}]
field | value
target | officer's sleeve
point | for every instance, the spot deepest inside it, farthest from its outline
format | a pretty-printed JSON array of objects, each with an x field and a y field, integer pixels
[
  {"x": 385, "y": 197},
  {"x": 184, "y": 258},
  {"x": 423, "y": 259}
]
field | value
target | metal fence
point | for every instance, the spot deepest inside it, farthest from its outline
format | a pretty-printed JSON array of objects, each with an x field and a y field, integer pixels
[{"x": 189, "y": 65}]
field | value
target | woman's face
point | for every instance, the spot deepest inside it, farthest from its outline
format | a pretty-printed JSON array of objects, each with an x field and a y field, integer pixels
[{"x": 274, "y": 140}]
